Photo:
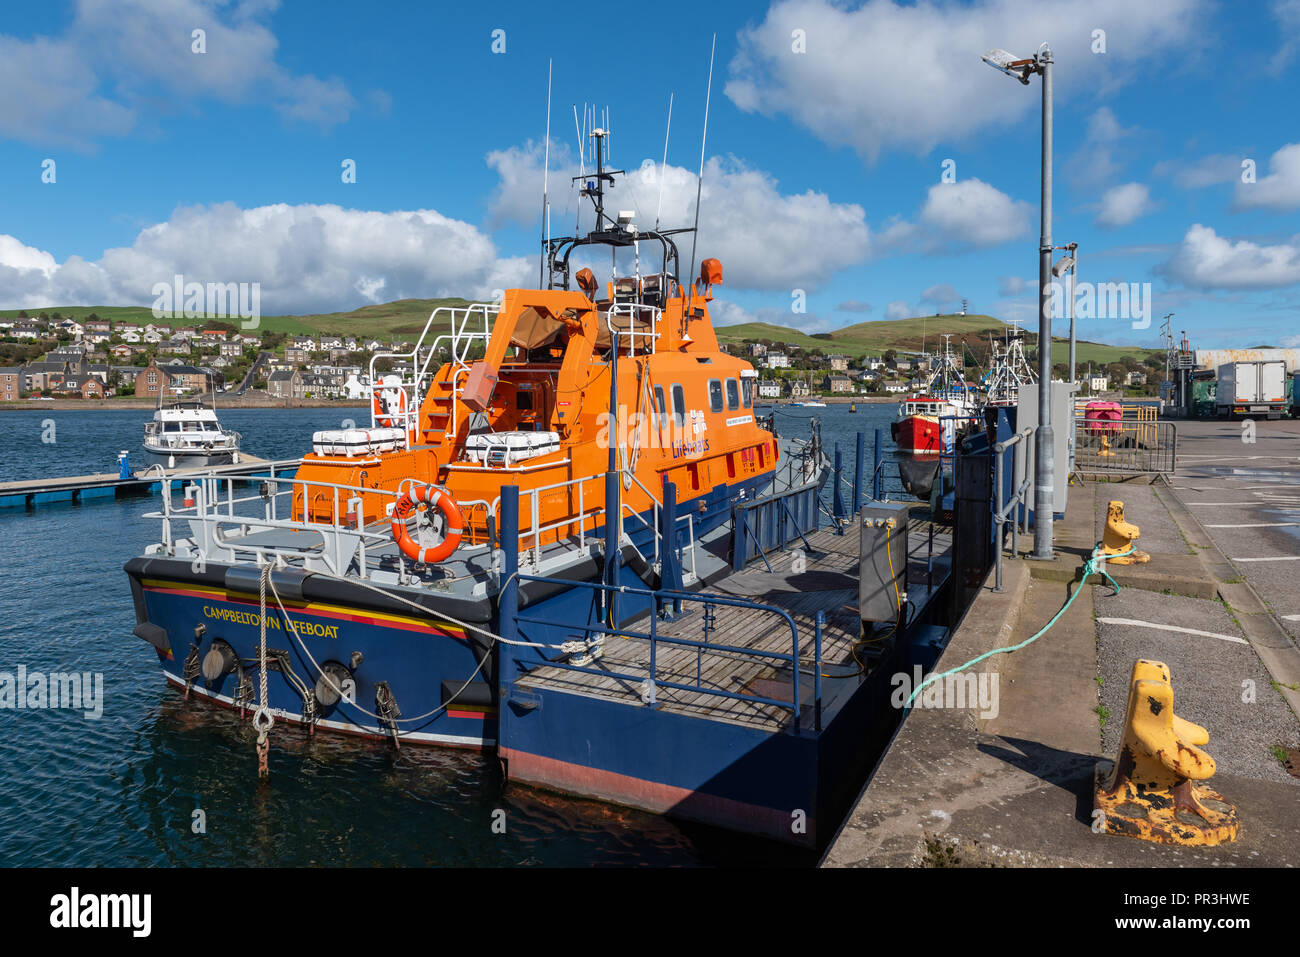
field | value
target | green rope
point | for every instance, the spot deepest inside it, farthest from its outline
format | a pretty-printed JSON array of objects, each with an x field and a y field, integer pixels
[{"x": 1095, "y": 564}]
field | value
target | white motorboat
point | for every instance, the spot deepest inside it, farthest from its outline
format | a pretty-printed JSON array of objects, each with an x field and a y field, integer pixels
[{"x": 186, "y": 434}]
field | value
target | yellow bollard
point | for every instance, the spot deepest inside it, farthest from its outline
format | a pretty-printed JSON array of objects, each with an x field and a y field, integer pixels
[
  {"x": 1150, "y": 790},
  {"x": 1119, "y": 537}
]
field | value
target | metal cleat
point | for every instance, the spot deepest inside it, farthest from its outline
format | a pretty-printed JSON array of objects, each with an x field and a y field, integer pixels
[
  {"x": 1119, "y": 538},
  {"x": 1150, "y": 790}
]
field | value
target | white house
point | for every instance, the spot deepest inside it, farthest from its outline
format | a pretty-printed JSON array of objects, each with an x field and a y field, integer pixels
[
  {"x": 769, "y": 388},
  {"x": 776, "y": 360},
  {"x": 356, "y": 387}
]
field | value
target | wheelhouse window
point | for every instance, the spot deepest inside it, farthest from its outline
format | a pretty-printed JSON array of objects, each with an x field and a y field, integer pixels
[
  {"x": 679, "y": 407},
  {"x": 715, "y": 395},
  {"x": 661, "y": 408},
  {"x": 747, "y": 392},
  {"x": 733, "y": 395}
]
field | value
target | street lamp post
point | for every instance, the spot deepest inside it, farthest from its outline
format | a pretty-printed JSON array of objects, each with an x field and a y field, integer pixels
[{"x": 1044, "y": 471}]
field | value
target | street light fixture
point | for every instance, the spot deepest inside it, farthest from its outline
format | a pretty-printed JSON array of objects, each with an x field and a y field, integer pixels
[
  {"x": 1045, "y": 472},
  {"x": 1069, "y": 263},
  {"x": 1010, "y": 65}
]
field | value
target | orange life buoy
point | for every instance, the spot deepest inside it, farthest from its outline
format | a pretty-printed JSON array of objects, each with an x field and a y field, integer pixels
[
  {"x": 434, "y": 497},
  {"x": 386, "y": 416}
]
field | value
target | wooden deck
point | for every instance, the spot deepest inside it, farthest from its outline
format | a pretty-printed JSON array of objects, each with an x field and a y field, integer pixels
[{"x": 826, "y": 582}]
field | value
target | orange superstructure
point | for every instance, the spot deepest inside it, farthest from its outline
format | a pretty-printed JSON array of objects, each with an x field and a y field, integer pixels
[
  {"x": 685, "y": 410},
  {"x": 523, "y": 397}
]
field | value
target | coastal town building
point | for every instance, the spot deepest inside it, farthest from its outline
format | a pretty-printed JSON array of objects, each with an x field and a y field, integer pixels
[
  {"x": 175, "y": 379},
  {"x": 11, "y": 382}
]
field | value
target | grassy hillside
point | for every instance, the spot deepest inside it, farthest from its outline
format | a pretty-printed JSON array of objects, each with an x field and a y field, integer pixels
[
  {"x": 405, "y": 318},
  {"x": 917, "y": 334}
]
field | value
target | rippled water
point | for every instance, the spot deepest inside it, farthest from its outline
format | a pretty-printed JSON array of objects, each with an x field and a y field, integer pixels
[{"x": 121, "y": 790}]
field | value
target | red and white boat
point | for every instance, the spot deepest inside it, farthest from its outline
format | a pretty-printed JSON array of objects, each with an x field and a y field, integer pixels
[{"x": 931, "y": 421}]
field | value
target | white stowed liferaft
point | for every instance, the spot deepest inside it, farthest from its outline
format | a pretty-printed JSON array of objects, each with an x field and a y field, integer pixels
[
  {"x": 504, "y": 449},
  {"x": 353, "y": 442}
]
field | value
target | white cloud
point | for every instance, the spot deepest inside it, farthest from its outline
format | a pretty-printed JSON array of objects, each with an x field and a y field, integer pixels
[
  {"x": 1095, "y": 162},
  {"x": 1207, "y": 171},
  {"x": 765, "y": 238},
  {"x": 518, "y": 195},
  {"x": 1014, "y": 285},
  {"x": 1121, "y": 205},
  {"x": 966, "y": 214},
  {"x": 884, "y": 74},
  {"x": 898, "y": 309},
  {"x": 1279, "y": 191},
  {"x": 307, "y": 258},
  {"x": 726, "y": 313},
  {"x": 1206, "y": 260},
  {"x": 942, "y": 294},
  {"x": 1287, "y": 13},
  {"x": 117, "y": 60},
  {"x": 854, "y": 305}
]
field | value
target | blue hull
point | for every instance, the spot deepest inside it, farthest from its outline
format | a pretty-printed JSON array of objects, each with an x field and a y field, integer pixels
[{"x": 422, "y": 662}]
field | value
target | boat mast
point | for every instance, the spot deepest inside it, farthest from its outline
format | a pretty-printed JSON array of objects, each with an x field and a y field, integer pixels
[
  {"x": 546, "y": 178},
  {"x": 699, "y": 182}
]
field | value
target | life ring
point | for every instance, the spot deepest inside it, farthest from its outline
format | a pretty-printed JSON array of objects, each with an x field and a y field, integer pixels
[
  {"x": 388, "y": 404},
  {"x": 434, "y": 497}
]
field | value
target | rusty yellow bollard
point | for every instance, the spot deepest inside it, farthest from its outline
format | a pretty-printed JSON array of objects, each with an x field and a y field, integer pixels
[
  {"x": 1119, "y": 537},
  {"x": 1150, "y": 791}
]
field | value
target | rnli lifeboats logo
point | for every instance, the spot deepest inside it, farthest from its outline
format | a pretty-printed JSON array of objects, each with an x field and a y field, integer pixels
[
  {"x": 313, "y": 629},
  {"x": 690, "y": 450}
]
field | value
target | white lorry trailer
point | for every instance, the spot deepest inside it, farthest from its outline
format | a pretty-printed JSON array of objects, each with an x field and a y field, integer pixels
[{"x": 1252, "y": 389}]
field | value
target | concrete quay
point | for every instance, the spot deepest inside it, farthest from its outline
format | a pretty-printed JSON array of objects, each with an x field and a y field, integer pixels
[{"x": 1219, "y": 602}]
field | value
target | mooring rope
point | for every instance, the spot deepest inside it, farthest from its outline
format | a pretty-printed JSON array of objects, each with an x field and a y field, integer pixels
[
  {"x": 263, "y": 719},
  {"x": 567, "y": 647},
  {"x": 1094, "y": 565}
]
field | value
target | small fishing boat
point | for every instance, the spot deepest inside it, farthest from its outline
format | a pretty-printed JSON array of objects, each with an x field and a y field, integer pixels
[
  {"x": 185, "y": 433},
  {"x": 1008, "y": 371},
  {"x": 931, "y": 421}
]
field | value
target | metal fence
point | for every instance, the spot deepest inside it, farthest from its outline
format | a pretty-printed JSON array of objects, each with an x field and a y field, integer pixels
[{"x": 1126, "y": 446}]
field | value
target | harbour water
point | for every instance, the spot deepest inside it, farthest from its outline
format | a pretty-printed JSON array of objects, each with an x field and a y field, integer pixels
[{"x": 122, "y": 789}]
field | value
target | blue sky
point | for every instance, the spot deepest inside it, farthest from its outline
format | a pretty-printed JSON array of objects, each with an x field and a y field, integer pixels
[{"x": 825, "y": 163}]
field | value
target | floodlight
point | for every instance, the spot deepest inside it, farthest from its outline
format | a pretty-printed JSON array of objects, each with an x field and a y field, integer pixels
[
  {"x": 1063, "y": 265},
  {"x": 1009, "y": 64}
]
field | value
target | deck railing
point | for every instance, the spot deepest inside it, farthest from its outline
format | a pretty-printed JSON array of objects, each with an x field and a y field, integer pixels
[
  {"x": 223, "y": 516},
  {"x": 467, "y": 326},
  {"x": 650, "y": 680}
]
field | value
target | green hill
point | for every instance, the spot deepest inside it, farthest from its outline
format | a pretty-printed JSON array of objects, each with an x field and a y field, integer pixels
[
  {"x": 921, "y": 333},
  {"x": 404, "y": 318}
]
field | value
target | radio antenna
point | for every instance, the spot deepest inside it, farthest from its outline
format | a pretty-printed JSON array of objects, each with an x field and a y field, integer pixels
[
  {"x": 699, "y": 182},
  {"x": 582, "y": 166},
  {"x": 546, "y": 182},
  {"x": 663, "y": 170}
]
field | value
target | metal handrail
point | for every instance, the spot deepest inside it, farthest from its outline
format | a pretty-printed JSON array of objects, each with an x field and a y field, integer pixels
[
  {"x": 660, "y": 596},
  {"x": 460, "y": 341},
  {"x": 1001, "y": 510},
  {"x": 631, "y": 309}
]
